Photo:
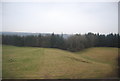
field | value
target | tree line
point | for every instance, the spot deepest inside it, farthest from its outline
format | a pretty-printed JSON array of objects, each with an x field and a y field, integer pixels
[{"x": 75, "y": 42}]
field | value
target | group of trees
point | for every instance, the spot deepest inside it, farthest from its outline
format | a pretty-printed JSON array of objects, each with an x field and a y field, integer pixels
[
  {"x": 48, "y": 41},
  {"x": 72, "y": 43},
  {"x": 78, "y": 41}
]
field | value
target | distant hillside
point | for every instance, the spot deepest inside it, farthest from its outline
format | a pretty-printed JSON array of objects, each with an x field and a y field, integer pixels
[{"x": 26, "y": 34}]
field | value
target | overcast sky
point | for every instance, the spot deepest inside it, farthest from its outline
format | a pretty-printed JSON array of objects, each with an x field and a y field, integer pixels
[{"x": 81, "y": 17}]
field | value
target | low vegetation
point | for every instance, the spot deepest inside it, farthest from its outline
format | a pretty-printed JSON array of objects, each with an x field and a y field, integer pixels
[{"x": 51, "y": 63}]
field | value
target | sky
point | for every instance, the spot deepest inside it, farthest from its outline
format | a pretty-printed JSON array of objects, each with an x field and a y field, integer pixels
[{"x": 62, "y": 17}]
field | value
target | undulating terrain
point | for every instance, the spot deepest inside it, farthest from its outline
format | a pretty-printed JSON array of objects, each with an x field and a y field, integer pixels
[{"x": 51, "y": 63}]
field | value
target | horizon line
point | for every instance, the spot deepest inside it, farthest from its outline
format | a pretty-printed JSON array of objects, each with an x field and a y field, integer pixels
[{"x": 60, "y": 33}]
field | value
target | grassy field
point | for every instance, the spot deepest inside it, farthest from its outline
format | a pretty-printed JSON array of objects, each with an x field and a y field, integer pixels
[{"x": 49, "y": 63}]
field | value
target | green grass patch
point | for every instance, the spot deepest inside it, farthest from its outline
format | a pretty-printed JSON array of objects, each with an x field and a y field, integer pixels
[{"x": 51, "y": 63}]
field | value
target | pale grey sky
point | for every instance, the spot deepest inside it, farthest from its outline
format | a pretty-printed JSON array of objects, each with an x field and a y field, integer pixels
[{"x": 81, "y": 17}]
